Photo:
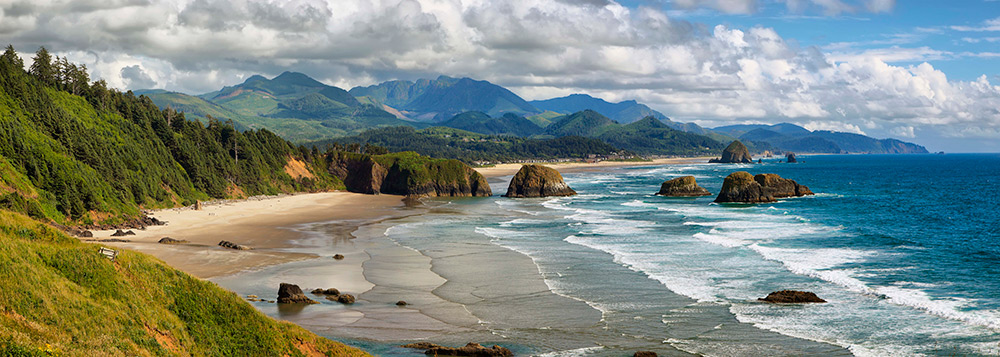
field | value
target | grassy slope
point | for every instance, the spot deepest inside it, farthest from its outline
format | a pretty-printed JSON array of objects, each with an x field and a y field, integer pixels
[{"x": 60, "y": 295}]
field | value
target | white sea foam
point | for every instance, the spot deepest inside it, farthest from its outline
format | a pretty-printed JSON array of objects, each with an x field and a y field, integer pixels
[{"x": 576, "y": 352}]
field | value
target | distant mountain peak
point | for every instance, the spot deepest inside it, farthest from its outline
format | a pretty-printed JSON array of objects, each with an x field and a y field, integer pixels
[{"x": 296, "y": 78}]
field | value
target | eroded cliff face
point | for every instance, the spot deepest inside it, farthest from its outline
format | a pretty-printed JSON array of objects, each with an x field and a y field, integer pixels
[
  {"x": 407, "y": 174},
  {"x": 538, "y": 181}
]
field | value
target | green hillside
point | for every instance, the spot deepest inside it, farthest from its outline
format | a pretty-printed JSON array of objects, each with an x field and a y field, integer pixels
[
  {"x": 440, "y": 99},
  {"x": 472, "y": 147},
  {"x": 58, "y": 296},
  {"x": 507, "y": 124},
  {"x": 292, "y": 105},
  {"x": 102, "y": 156},
  {"x": 583, "y": 123},
  {"x": 651, "y": 136}
]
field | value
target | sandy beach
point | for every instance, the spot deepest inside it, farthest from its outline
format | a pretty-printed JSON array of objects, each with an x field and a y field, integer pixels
[
  {"x": 260, "y": 223},
  {"x": 510, "y": 169}
]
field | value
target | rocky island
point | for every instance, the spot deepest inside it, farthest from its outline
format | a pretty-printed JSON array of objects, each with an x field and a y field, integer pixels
[
  {"x": 741, "y": 187},
  {"x": 684, "y": 186},
  {"x": 735, "y": 153},
  {"x": 538, "y": 181}
]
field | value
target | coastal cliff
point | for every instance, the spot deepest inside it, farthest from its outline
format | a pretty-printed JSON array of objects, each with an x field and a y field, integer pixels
[
  {"x": 408, "y": 174},
  {"x": 538, "y": 181}
]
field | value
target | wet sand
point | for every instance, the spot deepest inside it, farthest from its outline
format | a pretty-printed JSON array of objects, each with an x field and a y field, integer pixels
[{"x": 261, "y": 223}]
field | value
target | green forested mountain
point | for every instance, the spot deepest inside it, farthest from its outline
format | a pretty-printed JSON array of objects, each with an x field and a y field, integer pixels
[
  {"x": 653, "y": 137},
  {"x": 584, "y": 123},
  {"x": 439, "y": 100},
  {"x": 99, "y": 155},
  {"x": 623, "y": 112},
  {"x": 292, "y": 105},
  {"x": 472, "y": 147},
  {"x": 507, "y": 124}
]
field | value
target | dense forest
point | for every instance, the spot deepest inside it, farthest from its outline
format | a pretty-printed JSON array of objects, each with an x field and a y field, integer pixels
[
  {"x": 467, "y": 146},
  {"x": 75, "y": 152}
]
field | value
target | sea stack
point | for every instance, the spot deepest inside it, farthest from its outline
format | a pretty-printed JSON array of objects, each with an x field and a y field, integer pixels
[
  {"x": 791, "y": 297},
  {"x": 790, "y": 158},
  {"x": 684, "y": 186},
  {"x": 778, "y": 187},
  {"x": 538, "y": 181},
  {"x": 741, "y": 187},
  {"x": 735, "y": 153}
]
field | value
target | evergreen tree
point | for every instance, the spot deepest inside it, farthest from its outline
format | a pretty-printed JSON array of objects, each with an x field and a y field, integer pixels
[
  {"x": 10, "y": 56},
  {"x": 43, "y": 68}
]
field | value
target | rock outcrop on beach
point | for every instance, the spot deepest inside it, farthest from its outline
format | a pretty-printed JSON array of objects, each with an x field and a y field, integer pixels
[
  {"x": 792, "y": 297},
  {"x": 684, "y": 186},
  {"x": 741, "y": 187},
  {"x": 407, "y": 174},
  {"x": 471, "y": 349},
  {"x": 168, "y": 240},
  {"x": 537, "y": 181},
  {"x": 292, "y": 294},
  {"x": 330, "y": 291},
  {"x": 735, "y": 153},
  {"x": 231, "y": 245},
  {"x": 644, "y": 354},
  {"x": 790, "y": 158},
  {"x": 121, "y": 233}
]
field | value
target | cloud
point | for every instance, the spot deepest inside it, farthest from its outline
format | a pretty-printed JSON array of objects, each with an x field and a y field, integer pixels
[
  {"x": 990, "y": 25},
  {"x": 826, "y": 7},
  {"x": 903, "y": 131},
  {"x": 136, "y": 78},
  {"x": 835, "y": 126},
  {"x": 690, "y": 71}
]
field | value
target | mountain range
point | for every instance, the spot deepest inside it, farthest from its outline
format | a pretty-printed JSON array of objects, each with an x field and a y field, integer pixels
[
  {"x": 791, "y": 137},
  {"x": 300, "y": 108}
]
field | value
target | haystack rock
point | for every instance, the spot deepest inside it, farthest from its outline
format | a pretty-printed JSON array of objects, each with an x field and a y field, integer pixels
[
  {"x": 292, "y": 294},
  {"x": 538, "y": 181},
  {"x": 740, "y": 187},
  {"x": 735, "y": 153},
  {"x": 792, "y": 297},
  {"x": 684, "y": 186},
  {"x": 790, "y": 158}
]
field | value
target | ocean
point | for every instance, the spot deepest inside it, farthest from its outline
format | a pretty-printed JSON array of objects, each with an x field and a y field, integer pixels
[{"x": 905, "y": 249}]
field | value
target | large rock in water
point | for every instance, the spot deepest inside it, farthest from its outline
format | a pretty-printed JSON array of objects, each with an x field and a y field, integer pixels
[
  {"x": 790, "y": 158},
  {"x": 538, "y": 181},
  {"x": 684, "y": 186},
  {"x": 740, "y": 187},
  {"x": 292, "y": 294},
  {"x": 791, "y": 297},
  {"x": 778, "y": 187},
  {"x": 735, "y": 153}
]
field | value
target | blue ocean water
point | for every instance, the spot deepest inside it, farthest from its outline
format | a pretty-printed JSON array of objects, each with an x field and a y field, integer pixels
[{"x": 904, "y": 247}]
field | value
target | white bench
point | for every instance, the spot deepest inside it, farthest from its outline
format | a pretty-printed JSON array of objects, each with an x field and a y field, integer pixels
[{"x": 110, "y": 253}]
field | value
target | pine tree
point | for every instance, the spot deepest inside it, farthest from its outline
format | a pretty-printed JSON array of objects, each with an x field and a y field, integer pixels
[
  {"x": 10, "y": 56},
  {"x": 42, "y": 67}
]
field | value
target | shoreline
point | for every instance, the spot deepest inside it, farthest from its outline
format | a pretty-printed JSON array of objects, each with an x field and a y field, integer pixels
[
  {"x": 262, "y": 224},
  {"x": 295, "y": 236}
]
